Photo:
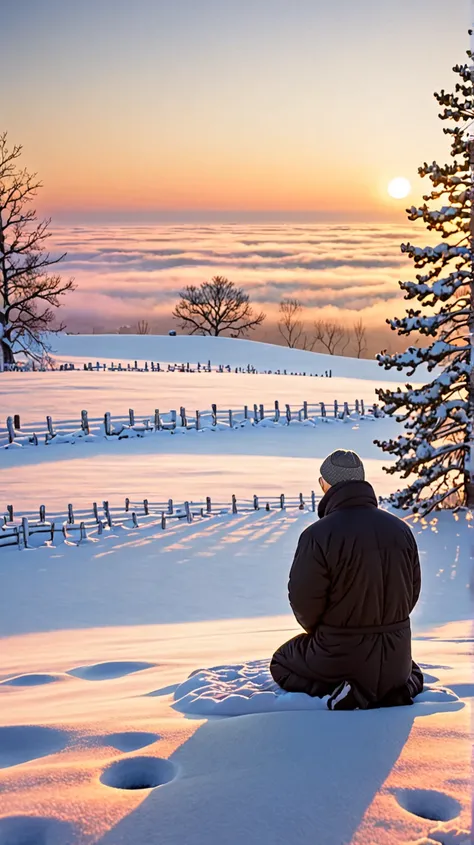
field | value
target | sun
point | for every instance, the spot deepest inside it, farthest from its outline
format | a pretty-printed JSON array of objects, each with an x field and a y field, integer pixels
[{"x": 399, "y": 188}]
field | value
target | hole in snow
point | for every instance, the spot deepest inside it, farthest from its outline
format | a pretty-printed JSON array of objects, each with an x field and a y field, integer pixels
[
  {"x": 139, "y": 773},
  {"x": 428, "y": 804},
  {"x": 21, "y": 743},
  {"x": 109, "y": 671},
  {"x": 130, "y": 740},
  {"x": 34, "y": 830}
]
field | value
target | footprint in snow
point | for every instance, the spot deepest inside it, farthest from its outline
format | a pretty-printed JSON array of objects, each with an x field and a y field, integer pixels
[
  {"x": 31, "y": 680},
  {"x": 35, "y": 830},
  {"x": 109, "y": 671},
  {"x": 428, "y": 804},
  {"x": 139, "y": 773},
  {"x": 21, "y": 743},
  {"x": 129, "y": 740}
]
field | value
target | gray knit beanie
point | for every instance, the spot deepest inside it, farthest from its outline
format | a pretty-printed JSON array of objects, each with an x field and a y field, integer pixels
[{"x": 342, "y": 466}]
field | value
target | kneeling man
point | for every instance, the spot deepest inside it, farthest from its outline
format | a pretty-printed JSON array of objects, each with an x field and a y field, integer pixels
[{"x": 354, "y": 581}]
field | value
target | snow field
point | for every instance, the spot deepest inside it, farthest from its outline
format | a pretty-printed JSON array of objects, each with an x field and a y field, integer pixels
[{"x": 136, "y": 703}]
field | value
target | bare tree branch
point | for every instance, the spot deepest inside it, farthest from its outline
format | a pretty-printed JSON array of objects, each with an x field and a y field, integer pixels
[
  {"x": 216, "y": 307},
  {"x": 360, "y": 337},
  {"x": 333, "y": 336},
  {"x": 290, "y": 325},
  {"x": 29, "y": 294},
  {"x": 143, "y": 327}
]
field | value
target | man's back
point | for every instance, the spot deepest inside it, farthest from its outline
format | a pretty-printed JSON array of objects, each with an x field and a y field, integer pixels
[{"x": 356, "y": 567}]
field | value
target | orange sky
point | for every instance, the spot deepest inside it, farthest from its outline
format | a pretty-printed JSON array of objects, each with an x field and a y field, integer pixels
[{"x": 250, "y": 105}]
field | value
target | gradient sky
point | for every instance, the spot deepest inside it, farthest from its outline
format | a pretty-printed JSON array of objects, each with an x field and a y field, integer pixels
[{"x": 205, "y": 108}]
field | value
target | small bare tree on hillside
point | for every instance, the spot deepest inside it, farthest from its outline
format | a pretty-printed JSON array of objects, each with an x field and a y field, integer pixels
[
  {"x": 290, "y": 324},
  {"x": 360, "y": 337},
  {"x": 332, "y": 335},
  {"x": 29, "y": 294},
  {"x": 143, "y": 327},
  {"x": 216, "y": 307}
]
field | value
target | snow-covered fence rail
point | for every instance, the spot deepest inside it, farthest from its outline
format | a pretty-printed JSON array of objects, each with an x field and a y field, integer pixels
[
  {"x": 76, "y": 526},
  {"x": 16, "y": 434}
]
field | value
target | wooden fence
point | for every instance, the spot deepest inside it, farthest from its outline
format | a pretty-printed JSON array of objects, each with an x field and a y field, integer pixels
[
  {"x": 156, "y": 367},
  {"x": 131, "y": 425},
  {"x": 81, "y": 525}
]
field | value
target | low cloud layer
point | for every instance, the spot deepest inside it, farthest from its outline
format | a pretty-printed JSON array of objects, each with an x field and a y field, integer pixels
[{"x": 125, "y": 274}]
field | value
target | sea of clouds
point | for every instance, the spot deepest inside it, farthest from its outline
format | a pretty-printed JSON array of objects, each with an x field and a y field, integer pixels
[{"x": 128, "y": 273}]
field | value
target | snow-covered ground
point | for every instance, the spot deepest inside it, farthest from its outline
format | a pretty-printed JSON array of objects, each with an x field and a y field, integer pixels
[
  {"x": 194, "y": 348},
  {"x": 105, "y": 737}
]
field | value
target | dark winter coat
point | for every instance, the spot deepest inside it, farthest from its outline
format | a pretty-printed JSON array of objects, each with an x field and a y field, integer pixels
[{"x": 354, "y": 581}]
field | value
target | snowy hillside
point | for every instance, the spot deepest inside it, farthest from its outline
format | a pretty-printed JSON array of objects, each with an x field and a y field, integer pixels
[{"x": 219, "y": 350}]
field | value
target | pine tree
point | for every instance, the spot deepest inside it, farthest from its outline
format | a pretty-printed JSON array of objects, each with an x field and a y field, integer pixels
[{"x": 434, "y": 453}]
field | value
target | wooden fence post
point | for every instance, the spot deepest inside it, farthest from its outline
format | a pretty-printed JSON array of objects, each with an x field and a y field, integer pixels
[
  {"x": 49, "y": 423},
  {"x": 288, "y": 414},
  {"x": 11, "y": 430},
  {"x": 157, "y": 420},
  {"x": 277, "y": 411},
  {"x": 163, "y": 520},
  {"x": 214, "y": 414},
  {"x": 10, "y": 512},
  {"x": 25, "y": 531},
  {"x": 84, "y": 422},
  {"x": 134, "y": 520},
  {"x": 182, "y": 414},
  {"x": 336, "y": 408},
  {"x": 16, "y": 422},
  {"x": 173, "y": 419},
  {"x": 255, "y": 503},
  {"x": 42, "y": 513},
  {"x": 189, "y": 516},
  {"x": 262, "y": 412},
  {"x": 282, "y": 501},
  {"x": 170, "y": 506},
  {"x": 146, "y": 507},
  {"x": 231, "y": 421},
  {"x": 346, "y": 409},
  {"x": 255, "y": 414},
  {"x": 313, "y": 501},
  {"x": 208, "y": 504},
  {"x": 127, "y": 504},
  {"x": 301, "y": 505},
  {"x": 108, "y": 517},
  {"x": 323, "y": 409},
  {"x": 305, "y": 410},
  {"x": 131, "y": 415},
  {"x": 95, "y": 511},
  {"x": 362, "y": 407},
  {"x": 198, "y": 420},
  {"x": 234, "y": 504},
  {"x": 107, "y": 424},
  {"x": 357, "y": 406},
  {"x": 246, "y": 412}
]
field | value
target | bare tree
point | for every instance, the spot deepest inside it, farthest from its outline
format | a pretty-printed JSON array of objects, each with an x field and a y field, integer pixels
[
  {"x": 143, "y": 327},
  {"x": 360, "y": 337},
  {"x": 290, "y": 325},
  {"x": 216, "y": 307},
  {"x": 28, "y": 292},
  {"x": 331, "y": 335}
]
